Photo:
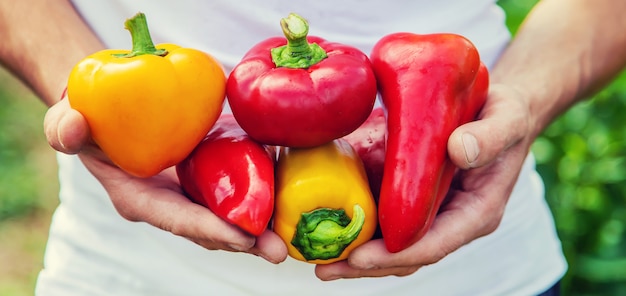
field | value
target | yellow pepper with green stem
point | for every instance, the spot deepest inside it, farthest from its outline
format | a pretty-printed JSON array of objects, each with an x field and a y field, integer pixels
[{"x": 324, "y": 207}]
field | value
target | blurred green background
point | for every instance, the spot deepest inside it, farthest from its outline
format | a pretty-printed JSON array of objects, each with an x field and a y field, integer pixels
[
  {"x": 28, "y": 187},
  {"x": 582, "y": 159},
  {"x": 581, "y": 156}
]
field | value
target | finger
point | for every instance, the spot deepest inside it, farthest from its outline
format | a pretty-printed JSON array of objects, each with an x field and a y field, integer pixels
[
  {"x": 159, "y": 201},
  {"x": 174, "y": 213},
  {"x": 452, "y": 229},
  {"x": 270, "y": 247},
  {"x": 344, "y": 269},
  {"x": 202, "y": 227},
  {"x": 502, "y": 123},
  {"x": 65, "y": 128},
  {"x": 472, "y": 212}
]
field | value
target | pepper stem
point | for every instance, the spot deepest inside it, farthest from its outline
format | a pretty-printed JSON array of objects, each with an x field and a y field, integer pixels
[
  {"x": 142, "y": 41},
  {"x": 324, "y": 233},
  {"x": 298, "y": 53}
]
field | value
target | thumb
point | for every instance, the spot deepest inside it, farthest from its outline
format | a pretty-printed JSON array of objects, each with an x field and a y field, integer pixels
[
  {"x": 504, "y": 122},
  {"x": 66, "y": 129}
]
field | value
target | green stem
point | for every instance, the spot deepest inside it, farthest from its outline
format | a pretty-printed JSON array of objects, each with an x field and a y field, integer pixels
[
  {"x": 298, "y": 53},
  {"x": 142, "y": 41},
  {"x": 324, "y": 233}
]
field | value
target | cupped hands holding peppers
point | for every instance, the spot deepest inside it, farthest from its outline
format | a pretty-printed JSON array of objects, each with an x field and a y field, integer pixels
[
  {"x": 131, "y": 116},
  {"x": 489, "y": 151}
]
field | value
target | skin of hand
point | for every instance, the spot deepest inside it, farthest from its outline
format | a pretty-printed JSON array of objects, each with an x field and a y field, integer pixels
[
  {"x": 158, "y": 200},
  {"x": 557, "y": 58},
  {"x": 474, "y": 205}
]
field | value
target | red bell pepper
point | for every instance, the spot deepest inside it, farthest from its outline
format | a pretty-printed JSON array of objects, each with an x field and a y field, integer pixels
[
  {"x": 430, "y": 85},
  {"x": 232, "y": 175},
  {"x": 369, "y": 143},
  {"x": 301, "y": 91}
]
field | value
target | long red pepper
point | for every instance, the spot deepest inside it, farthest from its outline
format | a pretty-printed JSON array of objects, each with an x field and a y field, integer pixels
[{"x": 430, "y": 85}]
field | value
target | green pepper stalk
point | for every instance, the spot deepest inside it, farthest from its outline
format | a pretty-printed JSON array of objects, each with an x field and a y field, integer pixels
[
  {"x": 298, "y": 52},
  {"x": 325, "y": 233},
  {"x": 142, "y": 41}
]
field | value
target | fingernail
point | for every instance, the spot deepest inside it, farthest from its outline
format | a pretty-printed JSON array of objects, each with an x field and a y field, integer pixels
[
  {"x": 238, "y": 247},
  {"x": 267, "y": 258},
  {"x": 332, "y": 278},
  {"x": 60, "y": 138},
  {"x": 470, "y": 144},
  {"x": 361, "y": 264}
]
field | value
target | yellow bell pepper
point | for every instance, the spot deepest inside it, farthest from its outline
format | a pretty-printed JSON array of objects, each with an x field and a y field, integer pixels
[
  {"x": 324, "y": 207},
  {"x": 147, "y": 108}
]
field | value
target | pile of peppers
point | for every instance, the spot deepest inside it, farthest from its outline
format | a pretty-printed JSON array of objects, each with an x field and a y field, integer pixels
[
  {"x": 303, "y": 94},
  {"x": 304, "y": 152}
]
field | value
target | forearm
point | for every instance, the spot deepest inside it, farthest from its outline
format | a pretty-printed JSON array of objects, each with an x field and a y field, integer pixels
[
  {"x": 42, "y": 41},
  {"x": 564, "y": 51}
]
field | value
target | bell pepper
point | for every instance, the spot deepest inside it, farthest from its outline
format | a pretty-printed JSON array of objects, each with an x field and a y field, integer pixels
[
  {"x": 430, "y": 84},
  {"x": 369, "y": 143},
  {"x": 299, "y": 90},
  {"x": 147, "y": 108},
  {"x": 324, "y": 208},
  {"x": 232, "y": 175}
]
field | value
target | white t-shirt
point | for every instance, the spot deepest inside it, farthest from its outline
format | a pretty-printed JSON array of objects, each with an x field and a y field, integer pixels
[{"x": 93, "y": 251}]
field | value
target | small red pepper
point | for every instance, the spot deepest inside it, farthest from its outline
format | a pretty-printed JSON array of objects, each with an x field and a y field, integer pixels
[
  {"x": 301, "y": 92},
  {"x": 232, "y": 175},
  {"x": 430, "y": 85}
]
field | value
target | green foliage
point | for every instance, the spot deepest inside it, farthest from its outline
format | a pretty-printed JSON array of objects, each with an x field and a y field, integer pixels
[
  {"x": 582, "y": 158},
  {"x": 20, "y": 131},
  {"x": 516, "y": 11}
]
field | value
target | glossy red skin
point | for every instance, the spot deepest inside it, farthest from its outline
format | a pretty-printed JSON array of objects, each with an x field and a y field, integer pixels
[
  {"x": 232, "y": 175},
  {"x": 430, "y": 85},
  {"x": 369, "y": 142},
  {"x": 301, "y": 107}
]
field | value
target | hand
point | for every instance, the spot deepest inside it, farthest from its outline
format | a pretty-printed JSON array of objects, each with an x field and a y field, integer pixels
[
  {"x": 475, "y": 204},
  {"x": 158, "y": 200}
]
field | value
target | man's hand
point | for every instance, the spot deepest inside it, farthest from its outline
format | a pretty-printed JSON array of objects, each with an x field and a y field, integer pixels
[
  {"x": 491, "y": 152},
  {"x": 158, "y": 200}
]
